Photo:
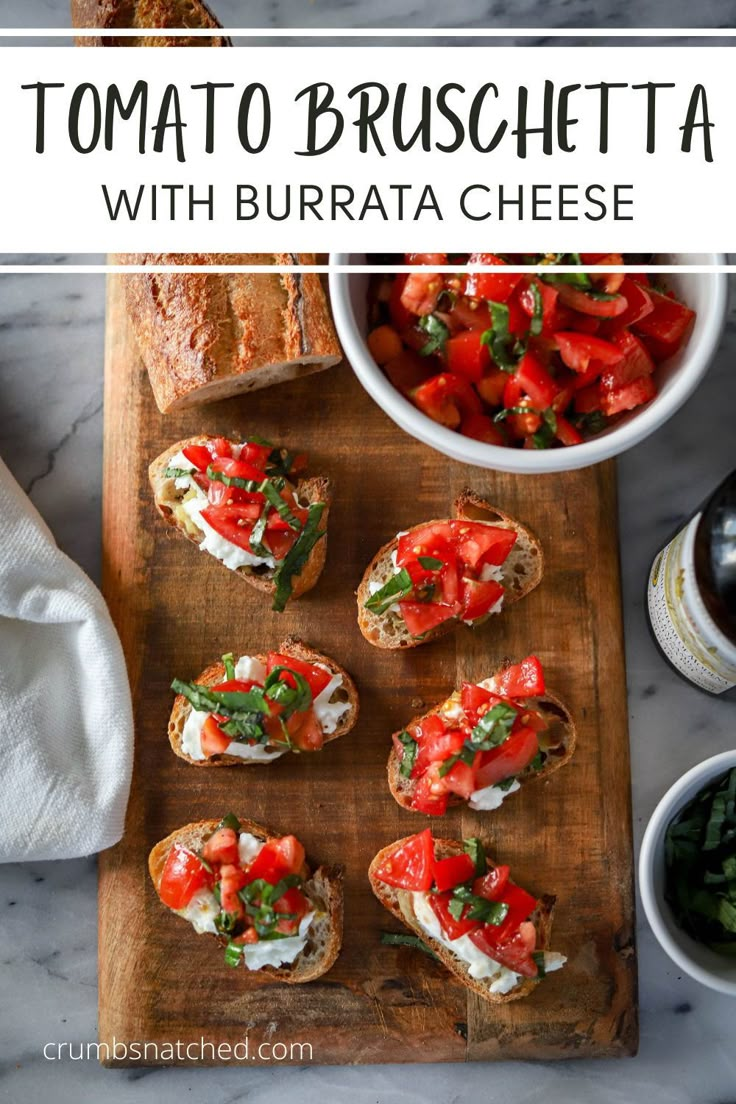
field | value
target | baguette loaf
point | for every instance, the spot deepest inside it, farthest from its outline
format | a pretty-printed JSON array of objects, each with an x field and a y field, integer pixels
[
  {"x": 557, "y": 742},
  {"x": 399, "y": 904},
  {"x": 323, "y": 887},
  {"x": 167, "y": 498},
  {"x": 522, "y": 571},
  {"x": 207, "y": 336},
  {"x": 145, "y": 15},
  {"x": 215, "y": 674}
]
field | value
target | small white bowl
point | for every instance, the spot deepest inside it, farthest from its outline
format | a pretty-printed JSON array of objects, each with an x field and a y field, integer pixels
[
  {"x": 711, "y": 969},
  {"x": 705, "y": 293}
]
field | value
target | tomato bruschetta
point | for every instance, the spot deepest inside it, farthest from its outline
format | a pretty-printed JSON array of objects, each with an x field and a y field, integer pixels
[
  {"x": 489, "y": 932},
  {"x": 246, "y": 504},
  {"x": 482, "y": 743},
  {"x": 255, "y": 709},
  {"x": 461, "y": 570},
  {"x": 256, "y": 893}
]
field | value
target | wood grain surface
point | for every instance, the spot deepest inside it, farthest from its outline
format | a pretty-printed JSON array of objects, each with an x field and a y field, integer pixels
[{"x": 177, "y": 610}]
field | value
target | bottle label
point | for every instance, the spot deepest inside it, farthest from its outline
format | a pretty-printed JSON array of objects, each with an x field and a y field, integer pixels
[{"x": 684, "y": 629}]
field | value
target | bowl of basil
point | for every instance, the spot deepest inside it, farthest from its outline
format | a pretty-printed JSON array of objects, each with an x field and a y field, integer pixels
[{"x": 687, "y": 872}]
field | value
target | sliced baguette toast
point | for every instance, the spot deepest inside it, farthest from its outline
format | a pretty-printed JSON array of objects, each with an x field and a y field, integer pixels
[
  {"x": 323, "y": 887},
  {"x": 398, "y": 902},
  {"x": 215, "y": 673},
  {"x": 557, "y": 741},
  {"x": 146, "y": 15},
  {"x": 522, "y": 571},
  {"x": 167, "y": 498}
]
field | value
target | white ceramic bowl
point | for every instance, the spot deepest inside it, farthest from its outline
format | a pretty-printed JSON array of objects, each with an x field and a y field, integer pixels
[
  {"x": 711, "y": 969},
  {"x": 676, "y": 380}
]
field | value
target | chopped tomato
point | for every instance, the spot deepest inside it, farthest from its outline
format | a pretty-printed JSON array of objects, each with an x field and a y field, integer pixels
[
  {"x": 453, "y": 871},
  {"x": 475, "y": 698},
  {"x": 384, "y": 344},
  {"x": 410, "y": 865},
  {"x": 428, "y": 541},
  {"x": 459, "y": 779},
  {"x": 421, "y": 292},
  {"x": 199, "y": 455},
  {"x": 451, "y": 928},
  {"x": 479, "y": 597},
  {"x": 480, "y": 428},
  {"x": 629, "y": 396},
  {"x": 492, "y": 884},
  {"x": 213, "y": 741},
  {"x": 279, "y": 542},
  {"x": 639, "y": 303},
  {"x": 316, "y": 676},
  {"x": 497, "y": 287},
  {"x": 234, "y": 523},
  {"x": 221, "y": 847},
  {"x": 400, "y": 316},
  {"x": 635, "y": 362},
  {"x": 508, "y": 759},
  {"x": 536, "y": 381},
  {"x": 237, "y": 469},
  {"x": 479, "y": 543},
  {"x": 521, "y": 906},
  {"x": 666, "y": 326},
  {"x": 232, "y": 879},
  {"x": 447, "y": 399},
  {"x": 407, "y": 371},
  {"x": 436, "y": 743},
  {"x": 296, "y": 904},
  {"x": 257, "y": 455},
  {"x": 515, "y": 952},
  {"x": 426, "y": 800},
  {"x": 578, "y": 350},
  {"x": 467, "y": 356},
  {"x": 422, "y": 617},
  {"x": 276, "y": 859},
  {"x": 565, "y": 432},
  {"x": 183, "y": 875},
  {"x": 307, "y": 733},
  {"x": 592, "y": 303},
  {"x": 492, "y": 386},
  {"x": 549, "y": 296},
  {"x": 520, "y": 680}
]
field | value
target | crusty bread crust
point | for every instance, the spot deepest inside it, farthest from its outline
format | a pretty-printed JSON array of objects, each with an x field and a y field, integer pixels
[
  {"x": 323, "y": 887},
  {"x": 145, "y": 15},
  {"x": 215, "y": 673},
  {"x": 522, "y": 572},
  {"x": 398, "y": 904},
  {"x": 316, "y": 489},
  {"x": 559, "y": 741},
  {"x": 206, "y": 336}
]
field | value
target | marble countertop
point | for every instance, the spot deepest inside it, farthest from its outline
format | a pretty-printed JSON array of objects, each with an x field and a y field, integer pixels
[{"x": 51, "y": 335}]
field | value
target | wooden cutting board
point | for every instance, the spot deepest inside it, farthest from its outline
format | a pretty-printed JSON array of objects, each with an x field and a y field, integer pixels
[{"x": 177, "y": 610}]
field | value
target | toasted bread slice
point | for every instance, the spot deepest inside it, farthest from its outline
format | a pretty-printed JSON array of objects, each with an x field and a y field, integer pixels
[
  {"x": 557, "y": 742},
  {"x": 145, "y": 15},
  {"x": 323, "y": 887},
  {"x": 215, "y": 673},
  {"x": 167, "y": 498},
  {"x": 398, "y": 902},
  {"x": 522, "y": 571}
]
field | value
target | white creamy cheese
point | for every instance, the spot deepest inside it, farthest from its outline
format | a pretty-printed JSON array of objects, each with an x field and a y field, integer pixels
[
  {"x": 182, "y": 482},
  {"x": 224, "y": 550},
  {"x": 277, "y": 952},
  {"x": 250, "y": 669},
  {"x": 329, "y": 713},
  {"x": 191, "y": 743},
  {"x": 248, "y": 847},
  {"x": 491, "y": 571},
  {"x": 480, "y": 965},
  {"x": 490, "y": 797},
  {"x": 201, "y": 911}
]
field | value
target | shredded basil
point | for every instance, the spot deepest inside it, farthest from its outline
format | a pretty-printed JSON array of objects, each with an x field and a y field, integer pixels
[
  {"x": 272, "y": 490},
  {"x": 493, "y": 727},
  {"x": 229, "y": 821},
  {"x": 257, "y": 534},
  {"x": 577, "y": 279},
  {"x": 410, "y": 753},
  {"x": 437, "y": 334},
  {"x": 177, "y": 473},
  {"x": 233, "y": 953},
  {"x": 478, "y": 908},
  {"x": 546, "y": 434},
  {"x": 229, "y": 663},
  {"x": 506, "y": 784},
  {"x": 535, "y": 326},
  {"x": 251, "y": 485},
  {"x": 538, "y": 761},
  {"x": 507, "y": 410},
  {"x": 538, "y": 958},
  {"x": 292, "y": 699},
  {"x": 260, "y": 896},
  {"x": 499, "y": 338},
  {"x": 430, "y": 563},
  {"x": 398, "y": 939},
  {"x": 297, "y": 556},
  {"x": 474, "y": 847},
  {"x": 399, "y": 586}
]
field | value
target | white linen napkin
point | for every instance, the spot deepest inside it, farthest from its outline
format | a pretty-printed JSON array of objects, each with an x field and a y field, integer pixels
[{"x": 65, "y": 710}]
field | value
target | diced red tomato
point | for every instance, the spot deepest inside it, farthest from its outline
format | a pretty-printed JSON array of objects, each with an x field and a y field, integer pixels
[
  {"x": 492, "y": 386},
  {"x": 221, "y": 847},
  {"x": 316, "y": 676},
  {"x": 586, "y": 303},
  {"x": 578, "y": 350},
  {"x": 536, "y": 381},
  {"x": 474, "y": 698},
  {"x": 479, "y": 597},
  {"x": 426, "y": 800},
  {"x": 480, "y": 428},
  {"x": 276, "y": 859},
  {"x": 400, "y": 316},
  {"x": 666, "y": 326},
  {"x": 410, "y": 865},
  {"x": 199, "y": 455},
  {"x": 421, "y": 617},
  {"x": 467, "y": 356},
  {"x": 635, "y": 362},
  {"x": 237, "y": 469},
  {"x": 234, "y": 523},
  {"x": 639, "y": 303},
  {"x": 213, "y": 741},
  {"x": 566, "y": 433},
  {"x": 515, "y": 953},
  {"x": 451, "y": 928},
  {"x": 459, "y": 779},
  {"x": 521, "y": 906},
  {"x": 492, "y": 884},
  {"x": 629, "y": 396},
  {"x": 453, "y": 871},
  {"x": 478, "y": 543},
  {"x": 520, "y": 680},
  {"x": 421, "y": 292},
  {"x": 232, "y": 879},
  {"x": 408, "y": 370},
  {"x": 497, "y": 287},
  {"x": 183, "y": 875},
  {"x": 436, "y": 743},
  {"x": 447, "y": 399},
  {"x": 508, "y": 759},
  {"x": 279, "y": 543},
  {"x": 305, "y": 731},
  {"x": 588, "y": 399},
  {"x": 295, "y": 903},
  {"x": 257, "y": 455},
  {"x": 549, "y": 295}
]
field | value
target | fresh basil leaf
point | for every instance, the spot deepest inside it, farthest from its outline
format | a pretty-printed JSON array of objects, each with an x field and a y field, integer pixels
[
  {"x": 487, "y": 912},
  {"x": 229, "y": 662},
  {"x": 399, "y": 939},
  {"x": 437, "y": 334},
  {"x": 474, "y": 847},
  {"x": 493, "y": 727},
  {"x": 399, "y": 586},
  {"x": 410, "y": 753},
  {"x": 292, "y": 699},
  {"x": 258, "y": 548},
  {"x": 245, "y": 711},
  {"x": 594, "y": 422},
  {"x": 499, "y": 338},
  {"x": 538, "y": 958},
  {"x": 505, "y": 784},
  {"x": 272, "y": 490},
  {"x": 430, "y": 563},
  {"x": 535, "y": 326},
  {"x": 507, "y": 410},
  {"x": 229, "y": 821},
  {"x": 538, "y": 761},
  {"x": 577, "y": 279},
  {"x": 456, "y": 907},
  {"x": 297, "y": 556},
  {"x": 251, "y": 485},
  {"x": 178, "y": 473},
  {"x": 233, "y": 953},
  {"x": 226, "y": 922}
]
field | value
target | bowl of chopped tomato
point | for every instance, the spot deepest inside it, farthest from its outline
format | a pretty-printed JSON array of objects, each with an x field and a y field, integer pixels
[{"x": 529, "y": 372}]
